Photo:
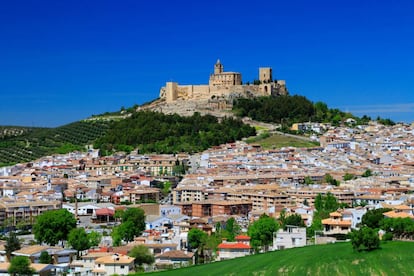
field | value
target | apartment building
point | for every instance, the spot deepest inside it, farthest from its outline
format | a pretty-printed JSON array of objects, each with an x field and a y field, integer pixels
[
  {"x": 14, "y": 211},
  {"x": 221, "y": 207},
  {"x": 260, "y": 200}
]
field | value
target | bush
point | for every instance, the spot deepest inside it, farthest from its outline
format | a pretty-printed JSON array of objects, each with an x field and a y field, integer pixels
[
  {"x": 387, "y": 236},
  {"x": 365, "y": 238}
]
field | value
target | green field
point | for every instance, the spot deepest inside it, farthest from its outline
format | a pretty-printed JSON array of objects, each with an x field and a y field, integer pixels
[
  {"x": 274, "y": 141},
  {"x": 394, "y": 258}
]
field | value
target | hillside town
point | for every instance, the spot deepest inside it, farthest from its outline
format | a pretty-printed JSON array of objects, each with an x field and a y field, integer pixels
[{"x": 237, "y": 180}]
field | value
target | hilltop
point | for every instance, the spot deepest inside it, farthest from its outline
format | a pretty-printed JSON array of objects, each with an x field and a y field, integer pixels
[
  {"x": 394, "y": 258},
  {"x": 169, "y": 127}
]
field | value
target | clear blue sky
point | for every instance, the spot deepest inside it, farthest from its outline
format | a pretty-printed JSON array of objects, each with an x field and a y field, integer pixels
[{"x": 61, "y": 61}]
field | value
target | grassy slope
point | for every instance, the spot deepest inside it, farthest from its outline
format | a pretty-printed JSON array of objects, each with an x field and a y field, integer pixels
[
  {"x": 278, "y": 141},
  {"x": 394, "y": 258}
]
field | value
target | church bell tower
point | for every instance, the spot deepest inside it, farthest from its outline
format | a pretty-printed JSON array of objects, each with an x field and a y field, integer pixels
[{"x": 218, "y": 67}]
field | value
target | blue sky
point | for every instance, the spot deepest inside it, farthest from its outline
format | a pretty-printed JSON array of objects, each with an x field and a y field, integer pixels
[{"x": 61, "y": 61}]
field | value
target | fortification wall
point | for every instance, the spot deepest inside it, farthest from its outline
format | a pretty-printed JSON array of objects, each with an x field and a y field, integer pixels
[
  {"x": 170, "y": 91},
  {"x": 221, "y": 85},
  {"x": 201, "y": 91}
]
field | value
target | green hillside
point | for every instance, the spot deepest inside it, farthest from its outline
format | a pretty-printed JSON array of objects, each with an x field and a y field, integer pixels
[
  {"x": 394, "y": 258},
  {"x": 39, "y": 142},
  {"x": 146, "y": 130}
]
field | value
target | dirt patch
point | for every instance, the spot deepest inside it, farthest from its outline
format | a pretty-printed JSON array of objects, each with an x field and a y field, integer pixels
[{"x": 357, "y": 261}]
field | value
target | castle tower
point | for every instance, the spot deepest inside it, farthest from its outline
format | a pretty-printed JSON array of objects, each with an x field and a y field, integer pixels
[
  {"x": 265, "y": 74},
  {"x": 218, "y": 67},
  {"x": 171, "y": 91}
]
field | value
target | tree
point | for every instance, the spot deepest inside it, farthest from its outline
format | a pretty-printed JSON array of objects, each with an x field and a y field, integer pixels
[
  {"x": 137, "y": 217},
  {"x": 261, "y": 232},
  {"x": 166, "y": 189},
  {"x": 142, "y": 255},
  {"x": 316, "y": 226},
  {"x": 94, "y": 238},
  {"x": 319, "y": 204},
  {"x": 348, "y": 176},
  {"x": 125, "y": 232},
  {"x": 20, "y": 265},
  {"x": 133, "y": 223},
  {"x": 373, "y": 218},
  {"x": 330, "y": 180},
  {"x": 365, "y": 237},
  {"x": 116, "y": 237},
  {"x": 54, "y": 226},
  {"x": 401, "y": 228},
  {"x": 282, "y": 217},
  {"x": 78, "y": 239},
  {"x": 12, "y": 244},
  {"x": 195, "y": 238},
  {"x": 295, "y": 220},
  {"x": 321, "y": 109},
  {"x": 330, "y": 202},
  {"x": 323, "y": 205},
  {"x": 367, "y": 173},
  {"x": 231, "y": 229},
  {"x": 209, "y": 245},
  {"x": 308, "y": 180},
  {"x": 45, "y": 258},
  {"x": 326, "y": 204}
]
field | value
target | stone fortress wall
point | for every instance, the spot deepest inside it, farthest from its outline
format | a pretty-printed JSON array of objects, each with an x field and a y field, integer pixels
[{"x": 225, "y": 84}]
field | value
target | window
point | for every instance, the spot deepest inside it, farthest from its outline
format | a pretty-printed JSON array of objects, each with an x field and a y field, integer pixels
[{"x": 122, "y": 266}]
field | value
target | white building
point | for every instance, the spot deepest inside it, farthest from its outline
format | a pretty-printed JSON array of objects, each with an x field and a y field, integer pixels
[
  {"x": 113, "y": 264},
  {"x": 293, "y": 236}
]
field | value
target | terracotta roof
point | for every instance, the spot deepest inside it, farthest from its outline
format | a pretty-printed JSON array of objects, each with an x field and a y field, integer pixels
[
  {"x": 175, "y": 254},
  {"x": 242, "y": 237},
  {"x": 115, "y": 259},
  {"x": 394, "y": 214},
  {"x": 335, "y": 214},
  {"x": 238, "y": 245},
  {"x": 161, "y": 245},
  {"x": 37, "y": 267},
  {"x": 105, "y": 212},
  {"x": 29, "y": 250},
  {"x": 330, "y": 221}
]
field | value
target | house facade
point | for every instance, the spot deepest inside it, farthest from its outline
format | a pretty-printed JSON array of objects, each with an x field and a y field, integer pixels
[
  {"x": 113, "y": 264},
  {"x": 231, "y": 250},
  {"x": 290, "y": 237},
  {"x": 336, "y": 224}
]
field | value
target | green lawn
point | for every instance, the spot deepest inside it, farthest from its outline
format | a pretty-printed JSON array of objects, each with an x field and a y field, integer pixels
[
  {"x": 394, "y": 258},
  {"x": 275, "y": 141}
]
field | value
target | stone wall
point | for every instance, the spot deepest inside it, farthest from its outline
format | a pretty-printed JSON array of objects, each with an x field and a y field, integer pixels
[
  {"x": 224, "y": 84},
  {"x": 172, "y": 91}
]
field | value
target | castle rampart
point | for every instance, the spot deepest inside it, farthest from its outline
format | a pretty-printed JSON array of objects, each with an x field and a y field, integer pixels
[{"x": 224, "y": 84}]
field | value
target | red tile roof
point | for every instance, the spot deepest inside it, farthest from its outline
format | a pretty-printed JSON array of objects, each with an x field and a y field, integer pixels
[
  {"x": 242, "y": 238},
  {"x": 237, "y": 245},
  {"x": 105, "y": 212}
]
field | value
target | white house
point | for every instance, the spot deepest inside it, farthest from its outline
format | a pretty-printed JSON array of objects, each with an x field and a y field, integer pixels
[
  {"x": 113, "y": 264},
  {"x": 355, "y": 215},
  {"x": 230, "y": 250},
  {"x": 293, "y": 236}
]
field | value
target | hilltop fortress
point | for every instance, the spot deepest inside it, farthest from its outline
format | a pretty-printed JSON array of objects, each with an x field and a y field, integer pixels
[{"x": 226, "y": 86}]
